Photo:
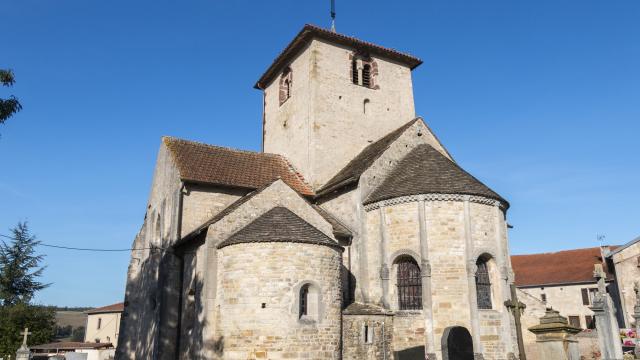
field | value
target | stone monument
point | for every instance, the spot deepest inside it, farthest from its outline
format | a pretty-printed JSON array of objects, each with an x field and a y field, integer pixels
[
  {"x": 23, "y": 352},
  {"x": 606, "y": 324},
  {"x": 555, "y": 337}
]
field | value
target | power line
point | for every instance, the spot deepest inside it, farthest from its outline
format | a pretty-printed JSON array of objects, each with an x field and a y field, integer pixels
[{"x": 87, "y": 249}]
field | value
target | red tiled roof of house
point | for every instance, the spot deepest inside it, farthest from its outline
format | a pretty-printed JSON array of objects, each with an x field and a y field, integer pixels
[
  {"x": 309, "y": 32},
  {"x": 562, "y": 267},
  {"x": 119, "y": 307},
  {"x": 217, "y": 165}
]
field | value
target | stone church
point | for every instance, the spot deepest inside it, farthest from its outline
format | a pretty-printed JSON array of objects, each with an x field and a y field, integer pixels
[{"x": 353, "y": 234}]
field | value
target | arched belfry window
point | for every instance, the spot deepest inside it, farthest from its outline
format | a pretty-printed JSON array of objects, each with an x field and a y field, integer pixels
[
  {"x": 285, "y": 85},
  {"x": 366, "y": 75},
  {"x": 483, "y": 284},
  {"x": 409, "y": 284},
  {"x": 354, "y": 71}
]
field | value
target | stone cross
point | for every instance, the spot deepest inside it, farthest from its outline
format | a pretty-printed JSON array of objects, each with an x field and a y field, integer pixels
[
  {"x": 23, "y": 353},
  {"x": 24, "y": 334},
  {"x": 517, "y": 308}
]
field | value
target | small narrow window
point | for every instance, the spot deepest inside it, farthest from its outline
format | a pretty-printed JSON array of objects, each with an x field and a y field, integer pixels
[
  {"x": 590, "y": 322},
  {"x": 543, "y": 297},
  {"x": 354, "y": 71},
  {"x": 304, "y": 301},
  {"x": 483, "y": 285},
  {"x": 585, "y": 296},
  {"x": 365, "y": 104},
  {"x": 368, "y": 334},
  {"x": 366, "y": 75},
  {"x": 99, "y": 323}
]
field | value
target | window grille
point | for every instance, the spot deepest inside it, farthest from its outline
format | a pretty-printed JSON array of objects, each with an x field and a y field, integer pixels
[
  {"x": 366, "y": 75},
  {"x": 483, "y": 285},
  {"x": 354, "y": 71},
  {"x": 409, "y": 285}
]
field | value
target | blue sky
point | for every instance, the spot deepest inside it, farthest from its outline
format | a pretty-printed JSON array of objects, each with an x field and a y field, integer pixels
[{"x": 539, "y": 99}]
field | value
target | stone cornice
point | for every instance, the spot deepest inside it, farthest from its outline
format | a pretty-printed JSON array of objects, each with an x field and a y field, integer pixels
[{"x": 434, "y": 197}]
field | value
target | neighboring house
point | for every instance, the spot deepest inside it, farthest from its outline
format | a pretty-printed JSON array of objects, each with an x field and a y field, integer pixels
[
  {"x": 103, "y": 324},
  {"x": 353, "y": 235},
  {"x": 73, "y": 351},
  {"x": 625, "y": 261},
  {"x": 564, "y": 280}
]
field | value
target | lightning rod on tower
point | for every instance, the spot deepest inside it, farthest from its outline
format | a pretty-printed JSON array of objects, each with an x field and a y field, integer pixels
[{"x": 333, "y": 15}]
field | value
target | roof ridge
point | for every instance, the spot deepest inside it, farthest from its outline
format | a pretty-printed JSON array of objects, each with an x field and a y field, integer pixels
[{"x": 166, "y": 138}]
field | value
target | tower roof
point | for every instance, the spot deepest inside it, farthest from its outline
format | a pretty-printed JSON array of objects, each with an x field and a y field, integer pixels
[
  {"x": 425, "y": 170},
  {"x": 310, "y": 32}
]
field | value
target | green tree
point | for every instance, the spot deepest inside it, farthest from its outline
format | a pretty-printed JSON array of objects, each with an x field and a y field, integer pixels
[
  {"x": 13, "y": 319},
  {"x": 9, "y": 106},
  {"x": 78, "y": 334},
  {"x": 20, "y": 267}
]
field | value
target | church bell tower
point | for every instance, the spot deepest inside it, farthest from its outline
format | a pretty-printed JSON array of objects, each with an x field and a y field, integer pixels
[{"x": 327, "y": 96}]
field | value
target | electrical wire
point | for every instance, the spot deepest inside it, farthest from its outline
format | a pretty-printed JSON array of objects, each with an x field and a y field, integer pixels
[{"x": 87, "y": 249}]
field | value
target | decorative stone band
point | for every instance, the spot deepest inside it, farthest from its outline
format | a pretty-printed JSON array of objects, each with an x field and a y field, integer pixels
[{"x": 434, "y": 197}]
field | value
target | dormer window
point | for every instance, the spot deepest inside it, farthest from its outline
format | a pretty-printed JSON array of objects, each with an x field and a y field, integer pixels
[
  {"x": 363, "y": 71},
  {"x": 285, "y": 85}
]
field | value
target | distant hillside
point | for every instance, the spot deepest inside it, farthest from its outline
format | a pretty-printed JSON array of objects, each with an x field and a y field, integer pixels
[
  {"x": 72, "y": 308},
  {"x": 73, "y": 318}
]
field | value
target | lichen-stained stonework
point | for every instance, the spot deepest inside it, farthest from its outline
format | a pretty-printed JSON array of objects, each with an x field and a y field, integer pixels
[{"x": 305, "y": 250}]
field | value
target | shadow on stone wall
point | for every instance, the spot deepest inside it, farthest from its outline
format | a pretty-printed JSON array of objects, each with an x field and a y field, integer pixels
[{"x": 410, "y": 353}]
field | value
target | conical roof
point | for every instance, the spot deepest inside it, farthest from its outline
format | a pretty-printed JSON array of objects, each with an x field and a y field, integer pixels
[{"x": 425, "y": 170}]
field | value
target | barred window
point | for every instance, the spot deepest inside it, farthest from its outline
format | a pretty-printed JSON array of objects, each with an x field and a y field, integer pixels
[
  {"x": 483, "y": 285},
  {"x": 409, "y": 284},
  {"x": 354, "y": 71},
  {"x": 366, "y": 75}
]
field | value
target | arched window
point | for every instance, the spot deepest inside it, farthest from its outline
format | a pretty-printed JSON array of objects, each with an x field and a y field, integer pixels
[
  {"x": 285, "y": 85},
  {"x": 354, "y": 71},
  {"x": 483, "y": 284},
  {"x": 304, "y": 301},
  {"x": 365, "y": 105},
  {"x": 409, "y": 284},
  {"x": 309, "y": 302},
  {"x": 366, "y": 75}
]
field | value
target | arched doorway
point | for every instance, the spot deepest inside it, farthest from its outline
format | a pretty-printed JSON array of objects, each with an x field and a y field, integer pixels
[{"x": 457, "y": 344}]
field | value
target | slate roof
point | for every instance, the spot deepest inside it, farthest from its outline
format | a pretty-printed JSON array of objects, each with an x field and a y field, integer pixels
[
  {"x": 216, "y": 165},
  {"x": 279, "y": 225},
  {"x": 309, "y": 32},
  {"x": 119, "y": 307},
  {"x": 562, "y": 267},
  {"x": 70, "y": 345},
  {"x": 354, "y": 169},
  {"x": 424, "y": 170}
]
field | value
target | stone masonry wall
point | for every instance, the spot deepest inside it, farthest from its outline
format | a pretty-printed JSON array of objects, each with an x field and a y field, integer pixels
[
  {"x": 354, "y": 345},
  {"x": 201, "y": 203},
  {"x": 258, "y": 301}
]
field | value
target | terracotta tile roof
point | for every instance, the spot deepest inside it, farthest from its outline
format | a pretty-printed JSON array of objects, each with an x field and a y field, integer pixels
[
  {"x": 562, "y": 267},
  {"x": 210, "y": 164},
  {"x": 119, "y": 307},
  {"x": 71, "y": 345},
  {"x": 358, "y": 165},
  {"x": 309, "y": 32},
  {"x": 424, "y": 170},
  {"x": 279, "y": 225}
]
